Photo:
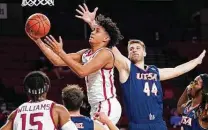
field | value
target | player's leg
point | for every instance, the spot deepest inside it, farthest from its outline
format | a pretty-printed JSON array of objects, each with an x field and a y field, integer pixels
[
  {"x": 111, "y": 108},
  {"x": 115, "y": 112}
]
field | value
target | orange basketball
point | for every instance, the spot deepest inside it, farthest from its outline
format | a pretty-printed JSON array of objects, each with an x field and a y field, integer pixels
[{"x": 37, "y": 25}]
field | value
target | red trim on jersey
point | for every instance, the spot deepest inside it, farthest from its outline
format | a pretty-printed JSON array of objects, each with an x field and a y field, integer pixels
[
  {"x": 99, "y": 107},
  {"x": 104, "y": 85},
  {"x": 108, "y": 68},
  {"x": 109, "y": 107},
  {"x": 111, "y": 82},
  {"x": 89, "y": 52},
  {"x": 15, "y": 113},
  {"x": 51, "y": 114}
]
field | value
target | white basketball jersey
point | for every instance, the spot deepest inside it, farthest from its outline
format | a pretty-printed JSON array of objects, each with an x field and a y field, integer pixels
[
  {"x": 34, "y": 116},
  {"x": 100, "y": 84}
]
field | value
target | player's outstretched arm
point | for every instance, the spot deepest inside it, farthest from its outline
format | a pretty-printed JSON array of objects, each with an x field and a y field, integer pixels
[
  {"x": 83, "y": 70},
  {"x": 168, "y": 73},
  {"x": 50, "y": 40},
  {"x": 122, "y": 63},
  {"x": 101, "y": 117},
  {"x": 9, "y": 123},
  {"x": 53, "y": 57},
  {"x": 87, "y": 16}
]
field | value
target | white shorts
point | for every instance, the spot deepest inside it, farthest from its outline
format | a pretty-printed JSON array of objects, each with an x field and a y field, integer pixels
[{"x": 110, "y": 107}]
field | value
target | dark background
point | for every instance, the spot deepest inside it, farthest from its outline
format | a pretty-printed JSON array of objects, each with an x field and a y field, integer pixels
[{"x": 172, "y": 19}]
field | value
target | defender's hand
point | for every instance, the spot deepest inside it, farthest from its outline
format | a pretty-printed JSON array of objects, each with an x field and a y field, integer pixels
[
  {"x": 201, "y": 57},
  {"x": 85, "y": 14}
]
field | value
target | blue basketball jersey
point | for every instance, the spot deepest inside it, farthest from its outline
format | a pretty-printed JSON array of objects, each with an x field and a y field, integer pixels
[
  {"x": 142, "y": 94},
  {"x": 189, "y": 119},
  {"x": 83, "y": 122}
]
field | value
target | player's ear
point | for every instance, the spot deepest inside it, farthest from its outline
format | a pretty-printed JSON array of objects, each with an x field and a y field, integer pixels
[
  {"x": 128, "y": 55},
  {"x": 145, "y": 53},
  {"x": 106, "y": 39}
]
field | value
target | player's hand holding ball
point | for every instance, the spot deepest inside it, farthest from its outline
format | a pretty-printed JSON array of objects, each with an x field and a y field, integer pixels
[{"x": 38, "y": 26}]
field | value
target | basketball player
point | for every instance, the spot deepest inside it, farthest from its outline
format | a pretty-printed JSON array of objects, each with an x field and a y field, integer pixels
[
  {"x": 142, "y": 91},
  {"x": 191, "y": 104},
  {"x": 39, "y": 113},
  {"x": 72, "y": 97},
  {"x": 95, "y": 64}
]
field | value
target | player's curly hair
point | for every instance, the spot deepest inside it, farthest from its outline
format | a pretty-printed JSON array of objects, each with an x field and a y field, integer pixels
[
  {"x": 204, "y": 78},
  {"x": 111, "y": 28},
  {"x": 72, "y": 96},
  {"x": 36, "y": 83}
]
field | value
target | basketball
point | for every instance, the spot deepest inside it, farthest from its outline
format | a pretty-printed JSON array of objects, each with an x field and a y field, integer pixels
[{"x": 37, "y": 25}]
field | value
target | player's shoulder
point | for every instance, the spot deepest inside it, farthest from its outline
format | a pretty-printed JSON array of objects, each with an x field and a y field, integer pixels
[
  {"x": 153, "y": 67},
  {"x": 83, "y": 51},
  {"x": 59, "y": 108},
  {"x": 13, "y": 114},
  {"x": 87, "y": 119},
  {"x": 104, "y": 51},
  {"x": 49, "y": 101}
]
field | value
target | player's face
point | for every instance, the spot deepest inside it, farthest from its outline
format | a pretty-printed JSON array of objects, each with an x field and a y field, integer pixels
[
  {"x": 98, "y": 35},
  {"x": 194, "y": 87},
  {"x": 136, "y": 52}
]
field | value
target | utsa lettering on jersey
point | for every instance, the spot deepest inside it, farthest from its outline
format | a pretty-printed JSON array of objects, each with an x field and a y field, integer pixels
[
  {"x": 39, "y": 113},
  {"x": 104, "y": 35},
  {"x": 142, "y": 91},
  {"x": 192, "y": 104},
  {"x": 150, "y": 108},
  {"x": 72, "y": 97},
  {"x": 189, "y": 119}
]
